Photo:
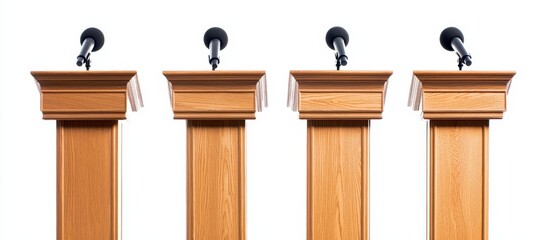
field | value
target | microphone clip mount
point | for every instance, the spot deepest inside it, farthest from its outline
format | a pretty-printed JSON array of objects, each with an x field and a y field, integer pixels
[
  {"x": 213, "y": 61},
  {"x": 339, "y": 60},
  {"x": 462, "y": 60},
  {"x": 88, "y": 61},
  {"x": 84, "y": 59}
]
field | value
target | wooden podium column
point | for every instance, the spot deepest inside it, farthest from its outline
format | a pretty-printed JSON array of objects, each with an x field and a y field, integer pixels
[
  {"x": 87, "y": 105},
  {"x": 459, "y": 106},
  {"x": 338, "y": 106},
  {"x": 216, "y": 105}
]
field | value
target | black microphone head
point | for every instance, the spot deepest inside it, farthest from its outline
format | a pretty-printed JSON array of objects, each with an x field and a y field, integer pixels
[
  {"x": 213, "y": 33},
  {"x": 335, "y": 32},
  {"x": 447, "y": 35},
  {"x": 96, "y": 35}
]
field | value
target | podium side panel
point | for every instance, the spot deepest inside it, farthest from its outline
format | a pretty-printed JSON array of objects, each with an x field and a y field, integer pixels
[
  {"x": 338, "y": 179},
  {"x": 87, "y": 180},
  {"x": 458, "y": 179},
  {"x": 216, "y": 179}
]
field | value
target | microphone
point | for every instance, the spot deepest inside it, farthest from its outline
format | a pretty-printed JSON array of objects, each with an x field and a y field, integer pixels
[
  {"x": 92, "y": 40},
  {"x": 452, "y": 39},
  {"x": 215, "y": 39},
  {"x": 337, "y": 39}
]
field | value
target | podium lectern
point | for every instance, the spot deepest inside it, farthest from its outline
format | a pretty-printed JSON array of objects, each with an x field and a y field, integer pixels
[
  {"x": 459, "y": 106},
  {"x": 216, "y": 105},
  {"x": 87, "y": 106},
  {"x": 338, "y": 106}
]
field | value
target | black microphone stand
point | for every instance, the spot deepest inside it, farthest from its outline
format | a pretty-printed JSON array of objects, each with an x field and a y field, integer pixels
[
  {"x": 460, "y": 61},
  {"x": 88, "y": 61},
  {"x": 337, "y": 62}
]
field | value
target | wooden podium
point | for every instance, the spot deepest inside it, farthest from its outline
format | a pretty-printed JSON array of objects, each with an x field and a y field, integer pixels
[
  {"x": 459, "y": 105},
  {"x": 338, "y": 106},
  {"x": 216, "y": 105},
  {"x": 87, "y": 106}
]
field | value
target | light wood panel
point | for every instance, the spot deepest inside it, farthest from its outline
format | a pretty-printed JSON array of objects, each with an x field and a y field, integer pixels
[
  {"x": 87, "y": 95},
  {"x": 81, "y": 102},
  {"x": 467, "y": 102},
  {"x": 340, "y": 115},
  {"x": 87, "y": 180},
  {"x": 458, "y": 164},
  {"x": 340, "y": 102},
  {"x": 338, "y": 95},
  {"x": 215, "y": 179},
  {"x": 338, "y": 180},
  {"x": 215, "y": 102},
  {"x": 215, "y": 95}
]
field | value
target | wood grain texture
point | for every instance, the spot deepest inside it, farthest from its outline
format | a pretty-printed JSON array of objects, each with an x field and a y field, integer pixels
[
  {"x": 215, "y": 95},
  {"x": 460, "y": 94},
  {"x": 215, "y": 180},
  {"x": 215, "y": 102},
  {"x": 338, "y": 180},
  {"x": 340, "y": 102},
  {"x": 87, "y": 95},
  {"x": 464, "y": 102},
  {"x": 340, "y": 115},
  {"x": 458, "y": 179},
  {"x": 87, "y": 180},
  {"x": 84, "y": 102},
  {"x": 339, "y": 95}
]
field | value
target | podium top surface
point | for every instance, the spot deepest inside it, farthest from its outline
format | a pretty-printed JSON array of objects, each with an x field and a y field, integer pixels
[
  {"x": 83, "y": 75},
  {"x": 218, "y": 75},
  {"x": 454, "y": 75},
  {"x": 338, "y": 95},
  {"x": 460, "y": 94},
  {"x": 77, "y": 95},
  {"x": 340, "y": 75},
  {"x": 215, "y": 95}
]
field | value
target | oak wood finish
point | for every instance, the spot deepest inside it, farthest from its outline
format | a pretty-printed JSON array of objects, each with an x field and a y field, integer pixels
[
  {"x": 460, "y": 94},
  {"x": 87, "y": 180},
  {"x": 336, "y": 95},
  {"x": 338, "y": 180},
  {"x": 216, "y": 94},
  {"x": 338, "y": 106},
  {"x": 87, "y": 105},
  {"x": 87, "y": 95},
  {"x": 216, "y": 104},
  {"x": 458, "y": 179},
  {"x": 215, "y": 179},
  {"x": 459, "y": 105}
]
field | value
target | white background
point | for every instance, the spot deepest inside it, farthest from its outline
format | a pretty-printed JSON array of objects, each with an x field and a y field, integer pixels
[{"x": 276, "y": 36}]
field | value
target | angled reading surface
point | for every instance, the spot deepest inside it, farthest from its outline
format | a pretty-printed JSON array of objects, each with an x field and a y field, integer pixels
[
  {"x": 73, "y": 95},
  {"x": 217, "y": 94},
  {"x": 460, "y": 95},
  {"x": 331, "y": 94},
  {"x": 87, "y": 106}
]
